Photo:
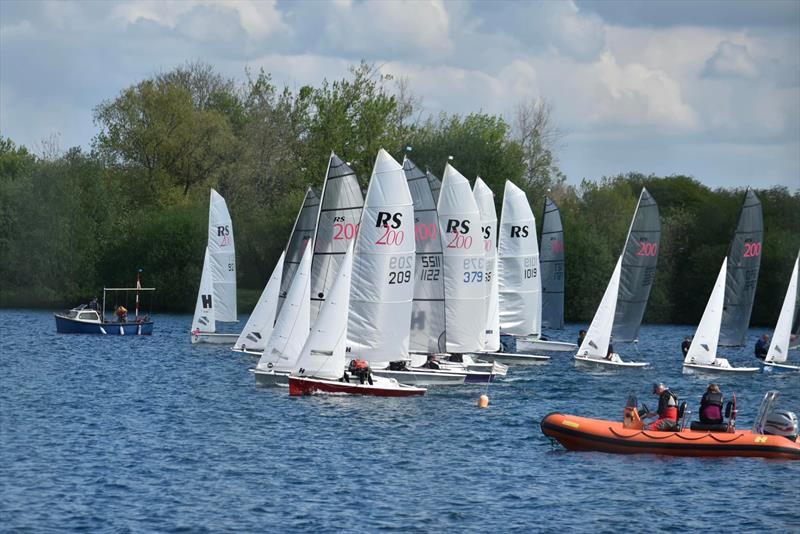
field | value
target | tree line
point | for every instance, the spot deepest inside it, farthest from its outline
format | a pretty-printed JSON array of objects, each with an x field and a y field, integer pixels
[{"x": 77, "y": 220}]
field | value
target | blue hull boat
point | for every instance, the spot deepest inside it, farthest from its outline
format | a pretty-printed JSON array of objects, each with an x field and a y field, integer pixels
[{"x": 67, "y": 325}]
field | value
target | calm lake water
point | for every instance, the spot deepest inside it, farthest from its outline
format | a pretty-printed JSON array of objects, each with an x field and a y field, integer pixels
[{"x": 138, "y": 434}]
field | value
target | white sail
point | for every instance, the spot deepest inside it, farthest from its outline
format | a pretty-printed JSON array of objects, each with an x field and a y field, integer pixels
[
  {"x": 293, "y": 324},
  {"x": 258, "y": 329},
  {"x": 382, "y": 287},
  {"x": 485, "y": 200},
  {"x": 203, "y": 320},
  {"x": 518, "y": 266},
  {"x": 462, "y": 250},
  {"x": 703, "y": 349},
  {"x": 323, "y": 354},
  {"x": 223, "y": 258},
  {"x": 779, "y": 347},
  {"x": 598, "y": 337}
]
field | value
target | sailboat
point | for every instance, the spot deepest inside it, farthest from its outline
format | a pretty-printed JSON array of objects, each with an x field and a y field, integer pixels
[
  {"x": 622, "y": 307},
  {"x": 778, "y": 350},
  {"x": 551, "y": 261},
  {"x": 702, "y": 353},
  {"x": 515, "y": 204},
  {"x": 336, "y": 226},
  {"x": 258, "y": 329},
  {"x": 594, "y": 348},
  {"x": 291, "y": 329},
  {"x": 320, "y": 367},
  {"x": 744, "y": 260},
  {"x": 216, "y": 302},
  {"x": 519, "y": 278}
]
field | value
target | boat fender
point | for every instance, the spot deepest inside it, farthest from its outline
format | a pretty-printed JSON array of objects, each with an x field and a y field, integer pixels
[{"x": 483, "y": 401}]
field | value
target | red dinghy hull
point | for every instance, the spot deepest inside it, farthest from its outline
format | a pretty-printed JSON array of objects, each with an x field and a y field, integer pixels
[
  {"x": 308, "y": 386},
  {"x": 584, "y": 434}
]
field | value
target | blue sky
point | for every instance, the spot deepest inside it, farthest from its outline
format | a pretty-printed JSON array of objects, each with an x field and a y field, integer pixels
[{"x": 709, "y": 89}]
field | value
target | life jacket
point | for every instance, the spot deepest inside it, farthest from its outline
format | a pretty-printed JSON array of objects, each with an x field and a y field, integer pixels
[
  {"x": 668, "y": 405},
  {"x": 712, "y": 398},
  {"x": 360, "y": 364}
]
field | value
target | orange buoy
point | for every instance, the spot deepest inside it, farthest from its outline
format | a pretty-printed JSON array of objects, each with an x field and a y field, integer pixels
[{"x": 483, "y": 401}]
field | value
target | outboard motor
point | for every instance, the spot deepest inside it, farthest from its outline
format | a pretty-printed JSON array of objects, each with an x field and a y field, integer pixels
[{"x": 781, "y": 423}]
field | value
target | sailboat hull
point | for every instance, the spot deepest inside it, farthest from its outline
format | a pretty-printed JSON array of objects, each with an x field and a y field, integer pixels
[
  {"x": 423, "y": 377},
  {"x": 780, "y": 367},
  {"x": 513, "y": 358},
  {"x": 585, "y": 434},
  {"x": 710, "y": 368},
  {"x": 66, "y": 325},
  {"x": 265, "y": 379},
  {"x": 214, "y": 339},
  {"x": 532, "y": 344},
  {"x": 299, "y": 386},
  {"x": 582, "y": 360}
]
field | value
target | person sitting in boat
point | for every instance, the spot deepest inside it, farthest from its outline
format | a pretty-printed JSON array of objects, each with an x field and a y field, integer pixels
[
  {"x": 762, "y": 346},
  {"x": 360, "y": 368},
  {"x": 94, "y": 305},
  {"x": 711, "y": 405},
  {"x": 431, "y": 362},
  {"x": 667, "y": 414},
  {"x": 687, "y": 342},
  {"x": 581, "y": 335},
  {"x": 610, "y": 352},
  {"x": 122, "y": 314}
]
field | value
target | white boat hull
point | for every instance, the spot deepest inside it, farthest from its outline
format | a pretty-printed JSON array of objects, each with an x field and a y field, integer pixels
[
  {"x": 270, "y": 378},
  {"x": 616, "y": 363},
  {"x": 782, "y": 366},
  {"x": 214, "y": 339},
  {"x": 513, "y": 358},
  {"x": 422, "y": 377},
  {"x": 711, "y": 368},
  {"x": 530, "y": 344}
]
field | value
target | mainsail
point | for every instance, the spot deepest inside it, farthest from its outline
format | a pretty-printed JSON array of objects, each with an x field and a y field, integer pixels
[
  {"x": 518, "y": 266},
  {"x": 639, "y": 260},
  {"x": 382, "y": 287},
  {"x": 744, "y": 259},
  {"x": 703, "y": 349},
  {"x": 203, "y": 320},
  {"x": 258, "y": 329},
  {"x": 337, "y": 226},
  {"x": 779, "y": 347},
  {"x": 427, "y": 310},
  {"x": 323, "y": 354},
  {"x": 485, "y": 200},
  {"x": 223, "y": 258},
  {"x": 291, "y": 328},
  {"x": 551, "y": 260},
  {"x": 595, "y": 343},
  {"x": 462, "y": 248},
  {"x": 302, "y": 231}
]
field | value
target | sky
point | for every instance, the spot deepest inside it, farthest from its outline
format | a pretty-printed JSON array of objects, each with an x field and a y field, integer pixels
[{"x": 709, "y": 89}]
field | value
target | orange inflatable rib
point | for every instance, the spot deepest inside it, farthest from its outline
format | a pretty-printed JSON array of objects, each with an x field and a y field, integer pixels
[{"x": 585, "y": 434}]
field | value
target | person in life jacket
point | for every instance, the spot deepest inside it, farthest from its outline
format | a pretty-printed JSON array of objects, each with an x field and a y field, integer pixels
[
  {"x": 122, "y": 314},
  {"x": 667, "y": 409},
  {"x": 711, "y": 405},
  {"x": 360, "y": 368}
]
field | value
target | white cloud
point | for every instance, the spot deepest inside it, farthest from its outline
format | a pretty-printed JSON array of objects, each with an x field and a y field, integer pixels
[{"x": 731, "y": 60}]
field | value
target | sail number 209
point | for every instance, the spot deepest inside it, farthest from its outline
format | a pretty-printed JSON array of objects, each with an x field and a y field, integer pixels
[{"x": 400, "y": 269}]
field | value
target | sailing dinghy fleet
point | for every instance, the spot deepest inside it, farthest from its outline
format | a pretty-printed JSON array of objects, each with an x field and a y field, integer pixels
[{"x": 430, "y": 255}]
